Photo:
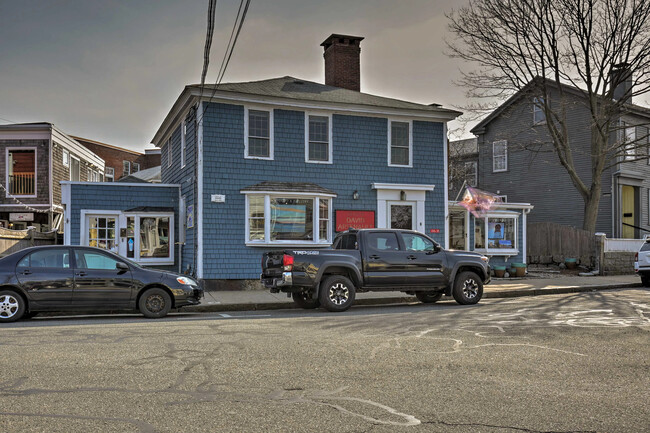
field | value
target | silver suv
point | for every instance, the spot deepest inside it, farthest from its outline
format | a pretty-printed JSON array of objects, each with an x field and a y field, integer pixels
[{"x": 642, "y": 262}]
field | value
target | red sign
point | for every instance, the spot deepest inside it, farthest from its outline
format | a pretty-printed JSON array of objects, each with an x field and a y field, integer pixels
[
  {"x": 356, "y": 219},
  {"x": 435, "y": 230}
]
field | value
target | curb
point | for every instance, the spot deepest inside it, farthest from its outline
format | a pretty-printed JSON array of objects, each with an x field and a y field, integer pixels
[{"x": 516, "y": 293}]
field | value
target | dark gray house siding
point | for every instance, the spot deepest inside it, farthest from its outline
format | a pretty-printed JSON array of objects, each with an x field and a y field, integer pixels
[{"x": 534, "y": 173}]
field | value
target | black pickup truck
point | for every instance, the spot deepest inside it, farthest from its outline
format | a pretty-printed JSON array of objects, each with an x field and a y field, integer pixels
[{"x": 374, "y": 260}]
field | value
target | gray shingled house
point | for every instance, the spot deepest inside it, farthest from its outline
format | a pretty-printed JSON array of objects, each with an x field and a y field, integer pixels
[{"x": 517, "y": 159}]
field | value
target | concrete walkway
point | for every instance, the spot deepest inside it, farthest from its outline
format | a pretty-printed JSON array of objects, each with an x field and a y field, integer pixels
[{"x": 246, "y": 300}]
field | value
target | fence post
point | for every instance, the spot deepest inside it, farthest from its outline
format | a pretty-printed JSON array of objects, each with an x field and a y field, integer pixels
[{"x": 600, "y": 252}]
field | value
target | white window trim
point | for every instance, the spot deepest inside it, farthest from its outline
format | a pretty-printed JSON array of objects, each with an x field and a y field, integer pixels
[
  {"x": 537, "y": 109},
  {"x": 111, "y": 176},
  {"x": 7, "y": 150},
  {"x": 494, "y": 143},
  {"x": 83, "y": 225},
  {"x": 183, "y": 143},
  {"x": 330, "y": 144},
  {"x": 70, "y": 171},
  {"x": 169, "y": 152},
  {"x": 389, "y": 135},
  {"x": 63, "y": 158},
  {"x": 267, "y": 222},
  {"x": 499, "y": 251},
  {"x": 269, "y": 110}
]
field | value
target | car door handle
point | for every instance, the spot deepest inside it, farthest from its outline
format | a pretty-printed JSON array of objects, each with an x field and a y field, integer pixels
[
  {"x": 411, "y": 257},
  {"x": 374, "y": 257},
  {"x": 81, "y": 274},
  {"x": 27, "y": 272}
]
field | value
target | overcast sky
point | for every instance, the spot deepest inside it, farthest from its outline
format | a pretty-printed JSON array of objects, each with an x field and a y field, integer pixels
[{"x": 110, "y": 70}]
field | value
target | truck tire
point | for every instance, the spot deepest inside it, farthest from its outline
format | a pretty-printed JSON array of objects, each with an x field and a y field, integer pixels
[
  {"x": 468, "y": 288},
  {"x": 645, "y": 280},
  {"x": 336, "y": 293},
  {"x": 305, "y": 300},
  {"x": 428, "y": 297}
]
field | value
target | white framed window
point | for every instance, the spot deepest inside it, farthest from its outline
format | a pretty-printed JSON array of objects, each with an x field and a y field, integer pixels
[
  {"x": 630, "y": 143},
  {"x": 169, "y": 152},
  {"x": 258, "y": 133},
  {"x": 471, "y": 173},
  {"x": 21, "y": 171},
  {"x": 318, "y": 138},
  {"x": 497, "y": 234},
  {"x": 135, "y": 167},
  {"x": 126, "y": 168},
  {"x": 109, "y": 174},
  {"x": 539, "y": 117},
  {"x": 288, "y": 219},
  {"x": 499, "y": 156},
  {"x": 183, "y": 143},
  {"x": 503, "y": 197},
  {"x": 75, "y": 169},
  {"x": 400, "y": 143},
  {"x": 90, "y": 175},
  {"x": 66, "y": 158}
]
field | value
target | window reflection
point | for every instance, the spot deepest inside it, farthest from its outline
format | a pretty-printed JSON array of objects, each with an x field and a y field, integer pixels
[{"x": 154, "y": 237}]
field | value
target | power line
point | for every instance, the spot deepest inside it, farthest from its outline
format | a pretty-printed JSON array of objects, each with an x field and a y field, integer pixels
[{"x": 212, "y": 8}]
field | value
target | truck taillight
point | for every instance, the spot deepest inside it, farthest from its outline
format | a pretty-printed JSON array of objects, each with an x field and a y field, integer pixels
[
  {"x": 287, "y": 262},
  {"x": 636, "y": 257}
]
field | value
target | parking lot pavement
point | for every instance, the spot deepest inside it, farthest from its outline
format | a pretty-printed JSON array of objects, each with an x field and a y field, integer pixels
[{"x": 242, "y": 300}]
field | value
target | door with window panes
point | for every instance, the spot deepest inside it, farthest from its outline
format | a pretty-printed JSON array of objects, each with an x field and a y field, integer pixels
[{"x": 102, "y": 232}]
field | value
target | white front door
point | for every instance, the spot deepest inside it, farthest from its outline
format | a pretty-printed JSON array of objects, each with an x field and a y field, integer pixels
[
  {"x": 401, "y": 215},
  {"x": 102, "y": 232}
]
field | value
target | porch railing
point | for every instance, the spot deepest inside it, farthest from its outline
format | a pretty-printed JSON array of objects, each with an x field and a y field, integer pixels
[{"x": 22, "y": 184}]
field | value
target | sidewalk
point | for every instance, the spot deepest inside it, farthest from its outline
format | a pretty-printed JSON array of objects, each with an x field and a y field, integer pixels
[{"x": 246, "y": 300}]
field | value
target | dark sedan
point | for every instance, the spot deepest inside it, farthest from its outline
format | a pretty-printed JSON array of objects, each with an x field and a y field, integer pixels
[{"x": 72, "y": 278}]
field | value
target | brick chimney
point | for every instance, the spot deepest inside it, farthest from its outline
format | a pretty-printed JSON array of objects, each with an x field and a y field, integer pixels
[{"x": 342, "y": 65}]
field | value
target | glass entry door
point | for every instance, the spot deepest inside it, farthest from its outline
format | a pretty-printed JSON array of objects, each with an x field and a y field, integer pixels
[
  {"x": 457, "y": 230},
  {"x": 401, "y": 215},
  {"x": 102, "y": 232}
]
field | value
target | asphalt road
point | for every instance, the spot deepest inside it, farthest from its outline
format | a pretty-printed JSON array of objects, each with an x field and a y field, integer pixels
[{"x": 565, "y": 363}]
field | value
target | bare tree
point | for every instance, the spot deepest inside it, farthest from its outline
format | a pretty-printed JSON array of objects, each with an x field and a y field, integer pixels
[{"x": 549, "y": 47}]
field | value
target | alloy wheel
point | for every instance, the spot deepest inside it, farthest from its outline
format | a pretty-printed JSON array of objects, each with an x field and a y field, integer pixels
[
  {"x": 470, "y": 288},
  {"x": 8, "y": 306},
  {"x": 339, "y": 294}
]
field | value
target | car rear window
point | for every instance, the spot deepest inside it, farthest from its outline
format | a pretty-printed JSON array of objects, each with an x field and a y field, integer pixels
[
  {"x": 347, "y": 242},
  {"x": 48, "y": 258},
  {"x": 645, "y": 246},
  {"x": 383, "y": 241}
]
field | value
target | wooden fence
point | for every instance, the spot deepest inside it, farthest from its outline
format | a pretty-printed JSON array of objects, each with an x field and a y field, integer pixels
[
  {"x": 16, "y": 240},
  {"x": 552, "y": 243}
]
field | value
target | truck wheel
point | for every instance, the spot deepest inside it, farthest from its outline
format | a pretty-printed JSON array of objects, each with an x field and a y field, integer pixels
[
  {"x": 305, "y": 300},
  {"x": 336, "y": 293},
  {"x": 428, "y": 297},
  {"x": 645, "y": 280},
  {"x": 468, "y": 288}
]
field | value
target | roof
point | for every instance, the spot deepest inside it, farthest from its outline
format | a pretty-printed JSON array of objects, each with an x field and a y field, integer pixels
[
  {"x": 633, "y": 108},
  {"x": 302, "y": 187},
  {"x": 99, "y": 143},
  {"x": 302, "y": 94},
  {"x": 148, "y": 175},
  {"x": 298, "y": 89}
]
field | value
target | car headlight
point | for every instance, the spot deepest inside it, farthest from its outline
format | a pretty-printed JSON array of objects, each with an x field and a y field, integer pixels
[
  {"x": 186, "y": 281},
  {"x": 486, "y": 259}
]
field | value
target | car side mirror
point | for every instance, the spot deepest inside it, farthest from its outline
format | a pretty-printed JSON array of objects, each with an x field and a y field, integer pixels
[{"x": 121, "y": 266}]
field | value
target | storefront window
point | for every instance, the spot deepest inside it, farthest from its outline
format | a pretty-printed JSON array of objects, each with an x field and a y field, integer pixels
[
  {"x": 154, "y": 237},
  {"x": 288, "y": 219},
  {"x": 496, "y": 234},
  {"x": 101, "y": 232}
]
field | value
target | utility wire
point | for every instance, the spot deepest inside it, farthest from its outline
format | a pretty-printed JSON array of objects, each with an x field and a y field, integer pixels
[{"x": 212, "y": 8}]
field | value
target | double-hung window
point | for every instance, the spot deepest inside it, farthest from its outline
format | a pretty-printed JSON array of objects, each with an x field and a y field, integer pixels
[
  {"x": 282, "y": 219},
  {"x": 318, "y": 139},
  {"x": 471, "y": 173},
  {"x": 126, "y": 168},
  {"x": 539, "y": 117},
  {"x": 110, "y": 174},
  {"x": 400, "y": 144},
  {"x": 258, "y": 136},
  {"x": 169, "y": 152},
  {"x": 66, "y": 158},
  {"x": 183, "y": 143},
  {"x": 499, "y": 156},
  {"x": 75, "y": 169}
]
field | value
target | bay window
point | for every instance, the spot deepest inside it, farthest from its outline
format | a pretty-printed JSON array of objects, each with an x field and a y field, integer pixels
[
  {"x": 279, "y": 218},
  {"x": 496, "y": 233}
]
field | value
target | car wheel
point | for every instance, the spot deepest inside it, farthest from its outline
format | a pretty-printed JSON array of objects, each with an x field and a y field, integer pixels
[
  {"x": 428, "y": 297},
  {"x": 337, "y": 293},
  {"x": 12, "y": 306},
  {"x": 305, "y": 300},
  {"x": 468, "y": 288},
  {"x": 155, "y": 303}
]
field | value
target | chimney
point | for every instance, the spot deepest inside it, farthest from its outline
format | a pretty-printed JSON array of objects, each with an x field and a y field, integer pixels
[
  {"x": 342, "y": 66},
  {"x": 620, "y": 79}
]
